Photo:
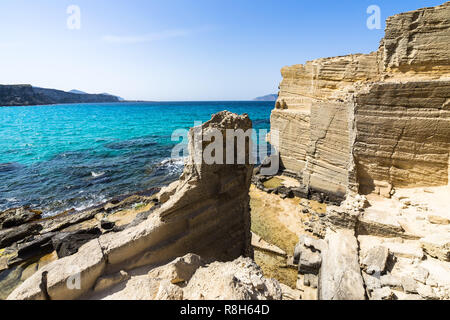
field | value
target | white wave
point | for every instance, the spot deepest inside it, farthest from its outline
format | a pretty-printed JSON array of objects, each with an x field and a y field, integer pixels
[
  {"x": 90, "y": 203},
  {"x": 174, "y": 165},
  {"x": 96, "y": 175}
]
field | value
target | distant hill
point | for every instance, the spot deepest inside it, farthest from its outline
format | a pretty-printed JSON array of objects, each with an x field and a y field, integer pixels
[
  {"x": 120, "y": 98},
  {"x": 26, "y": 95},
  {"x": 77, "y": 91},
  {"x": 106, "y": 94},
  {"x": 269, "y": 97}
]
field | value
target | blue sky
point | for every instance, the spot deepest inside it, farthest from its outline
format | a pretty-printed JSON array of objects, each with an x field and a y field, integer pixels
[{"x": 180, "y": 49}]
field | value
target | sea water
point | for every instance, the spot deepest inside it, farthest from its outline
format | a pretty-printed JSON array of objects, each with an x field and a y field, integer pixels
[{"x": 60, "y": 157}]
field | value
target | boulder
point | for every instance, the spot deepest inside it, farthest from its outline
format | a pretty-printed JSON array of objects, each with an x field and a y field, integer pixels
[
  {"x": 18, "y": 216},
  {"x": 290, "y": 294},
  {"x": 374, "y": 261},
  {"x": 391, "y": 281},
  {"x": 179, "y": 271},
  {"x": 409, "y": 284},
  {"x": 437, "y": 245},
  {"x": 340, "y": 276},
  {"x": 437, "y": 219},
  {"x": 406, "y": 249},
  {"x": 372, "y": 282},
  {"x": 68, "y": 243},
  {"x": 307, "y": 243},
  {"x": 36, "y": 246},
  {"x": 241, "y": 279},
  {"x": 309, "y": 262},
  {"x": 9, "y": 236}
]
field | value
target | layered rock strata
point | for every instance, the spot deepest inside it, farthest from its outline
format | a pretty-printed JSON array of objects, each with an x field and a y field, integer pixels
[
  {"x": 206, "y": 212},
  {"x": 371, "y": 122}
]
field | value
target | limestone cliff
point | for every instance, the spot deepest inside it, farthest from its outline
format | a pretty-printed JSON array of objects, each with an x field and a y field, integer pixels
[{"x": 373, "y": 121}]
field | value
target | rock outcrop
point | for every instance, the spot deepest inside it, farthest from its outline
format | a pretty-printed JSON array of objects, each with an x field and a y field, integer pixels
[
  {"x": 379, "y": 248},
  {"x": 373, "y": 130},
  {"x": 340, "y": 275},
  {"x": 371, "y": 122},
  {"x": 206, "y": 212},
  {"x": 190, "y": 278}
]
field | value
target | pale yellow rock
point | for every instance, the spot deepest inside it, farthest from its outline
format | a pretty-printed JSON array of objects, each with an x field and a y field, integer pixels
[
  {"x": 241, "y": 279},
  {"x": 375, "y": 122},
  {"x": 437, "y": 245},
  {"x": 290, "y": 294},
  {"x": 340, "y": 276},
  {"x": 238, "y": 280},
  {"x": 178, "y": 271},
  {"x": 68, "y": 278},
  {"x": 106, "y": 282},
  {"x": 438, "y": 219},
  {"x": 417, "y": 43}
]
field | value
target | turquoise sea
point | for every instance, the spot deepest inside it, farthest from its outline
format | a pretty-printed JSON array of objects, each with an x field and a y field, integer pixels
[{"x": 60, "y": 157}]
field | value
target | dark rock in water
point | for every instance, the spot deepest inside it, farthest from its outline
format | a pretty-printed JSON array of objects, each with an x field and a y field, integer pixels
[
  {"x": 18, "y": 216},
  {"x": 68, "y": 243},
  {"x": 11, "y": 166},
  {"x": 9, "y": 236},
  {"x": 148, "y": 193},
  {"x": 133, "y": 143},
  {"x": 34, "y": 246},
  {"x": 9, "y": 280}
]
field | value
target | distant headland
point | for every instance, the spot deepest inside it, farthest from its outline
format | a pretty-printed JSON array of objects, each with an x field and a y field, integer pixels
[
  {"x": 269, "y": 97},
  {"x": 27, "y": 95}
]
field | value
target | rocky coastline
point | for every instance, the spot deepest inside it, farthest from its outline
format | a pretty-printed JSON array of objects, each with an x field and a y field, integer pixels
[{"x": 358, "y": 210}]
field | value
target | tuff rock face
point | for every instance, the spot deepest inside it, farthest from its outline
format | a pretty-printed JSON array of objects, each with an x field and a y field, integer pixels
[
  {"x": 374, "y": 130},
  {"x": 206, "y": 212},
  {"x": 371, "y": 122}
]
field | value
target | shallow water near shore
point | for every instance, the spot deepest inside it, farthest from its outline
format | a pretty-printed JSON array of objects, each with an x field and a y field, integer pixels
[{"x": 60, "y": 157}]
